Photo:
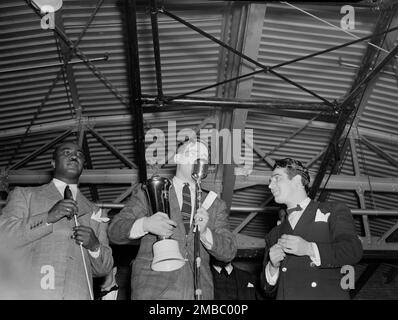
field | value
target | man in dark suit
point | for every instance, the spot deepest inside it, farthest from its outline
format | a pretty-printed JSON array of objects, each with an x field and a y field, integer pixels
[
  {"x": 232, "y": 283},
  {"x": 41, "y": 221},
  {"x": 304, "y": 254},
  {"x": 136, "y": 221}
]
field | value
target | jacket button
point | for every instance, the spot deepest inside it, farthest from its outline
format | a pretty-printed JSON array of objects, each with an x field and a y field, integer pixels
[
  {"x": 313, "y": 284},
  {"x": 284, "y": 269}
]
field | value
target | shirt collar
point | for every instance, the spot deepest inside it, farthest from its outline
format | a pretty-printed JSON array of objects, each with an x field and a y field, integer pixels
[
  {"x": 304, "y": 204},
  {"x": 229, "y": 267},
  {"x": 61, "y": 185},
  {"x": 179, "y": 183}
]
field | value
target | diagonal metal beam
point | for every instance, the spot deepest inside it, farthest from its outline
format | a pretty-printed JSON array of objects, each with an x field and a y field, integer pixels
[
  {"x": 389, "y": 232},
  {"x": 252, "y": 214},
  {"x": 367, "y": 71},
  {"x": 374, "y": 147},
  {"x": 390, "y": 37},
  {"x": 246, "y": 75},
  {"x": 237, "y": 52},
  {"x": 354, "y": 154},
  {"x": 42, "y": 149},
  {"x": 80, "y": 54},
  {"x": 364, "y": 278},
  {"x": 116, "y": 152},
  {"x": 286, "y": 140},
  {"x": 66, "y": 55}
]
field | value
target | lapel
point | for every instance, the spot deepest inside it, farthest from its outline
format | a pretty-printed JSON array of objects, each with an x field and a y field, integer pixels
[
  {"x": 85, "y": 209},
  {"x": 285, "y": 228},
  {"x": 308, "y": 217},
  {"x": 83, "y": 204},
  {"x": 51, "y": 192}
]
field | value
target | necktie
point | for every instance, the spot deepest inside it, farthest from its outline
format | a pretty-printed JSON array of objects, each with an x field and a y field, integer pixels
[
  {"x": 291, "y": 210},
  {"x": 225, "y": 272},
  {"x": 186, "y": 206},
  {"x": 68, "y": 193}
]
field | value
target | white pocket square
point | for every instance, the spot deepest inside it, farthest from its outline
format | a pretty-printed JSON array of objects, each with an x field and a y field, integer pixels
[
  {"x": 250, "y": 285},
  {"x": 321, "y": 217},
  {"x": 97, "y": 216}
]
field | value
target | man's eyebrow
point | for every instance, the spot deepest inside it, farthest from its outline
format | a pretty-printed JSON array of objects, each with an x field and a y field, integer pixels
[{"x": 69, "y": 148}]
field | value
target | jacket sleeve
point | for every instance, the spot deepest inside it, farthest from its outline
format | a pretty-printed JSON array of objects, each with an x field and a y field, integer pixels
[
  {"x": 103, "y": 264},
  {"x": 345, "y": 248},
  {"x": 17, "y": 225},
  {"x": 121, "y": 224},
  {"x": 270, "y": 239},
  {"x": 224, "y": 241}
]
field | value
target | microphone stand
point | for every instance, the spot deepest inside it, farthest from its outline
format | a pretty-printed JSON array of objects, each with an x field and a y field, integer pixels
[
  {"x": 196, "y": 245},
  {"x": 68, "y": 195},
  {"x": 84, "y": 262}
]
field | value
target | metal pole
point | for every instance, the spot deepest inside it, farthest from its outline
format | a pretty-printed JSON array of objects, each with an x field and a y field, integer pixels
[
  {"x": 156, "y": 49},
  {"x": 239, "y": 103},
  {"x": 135, "y": 85},
  {"x": 240, "y": 54},
  {"x": 49, "y": 65},
  {"x": 344, "y": 116},
  {"x": 283, "y": 64}
]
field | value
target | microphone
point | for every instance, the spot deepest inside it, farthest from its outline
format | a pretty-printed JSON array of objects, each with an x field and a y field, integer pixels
[{"x": 200, "y": 168}]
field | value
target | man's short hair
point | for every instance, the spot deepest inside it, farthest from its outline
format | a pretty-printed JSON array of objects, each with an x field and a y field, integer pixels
[
  {"x": 193, "y": 141},
  {"x": 293, "y": 168}
]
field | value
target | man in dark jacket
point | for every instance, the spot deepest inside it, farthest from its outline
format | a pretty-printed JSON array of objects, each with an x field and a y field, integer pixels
[
  {"x": 305, "y": 253},
  {"x": 233, "y": 283}
]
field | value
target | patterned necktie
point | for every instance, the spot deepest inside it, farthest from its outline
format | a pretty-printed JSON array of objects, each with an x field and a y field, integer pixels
[
  {"x": 186, "y": 206},
  {"x": 68, "y": 193},
  {"x": 291, "y": 210}
]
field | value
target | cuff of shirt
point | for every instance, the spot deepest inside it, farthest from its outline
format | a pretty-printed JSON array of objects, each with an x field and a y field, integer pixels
[
  {"x": 137, "y": 230},
  {"x": 271, "y": 279},
  {"x": 95, "y": 254},
  {"x": 207, "y": 239},
  {"x": 316, "y": 258}
]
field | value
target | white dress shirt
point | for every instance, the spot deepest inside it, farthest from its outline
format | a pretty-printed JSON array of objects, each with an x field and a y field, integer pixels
[
  {"x": 293, "y": 219},
  {"x": 60, "y": 185},
  {"x": 206, "y": 237},
  {"x": 229, "y": 268}
]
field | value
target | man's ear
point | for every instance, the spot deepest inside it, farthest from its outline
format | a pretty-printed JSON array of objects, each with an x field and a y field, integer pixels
[{"x": 297, "y": 180}]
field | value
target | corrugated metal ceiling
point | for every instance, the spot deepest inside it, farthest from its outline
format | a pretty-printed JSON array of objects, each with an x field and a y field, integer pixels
[{"x": 189, "y": 62}]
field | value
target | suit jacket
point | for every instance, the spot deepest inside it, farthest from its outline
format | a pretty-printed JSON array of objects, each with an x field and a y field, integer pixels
[
  {"x": 338, "y": 245},
  {"x": 49, "y": 247},
  {"x": 238, "y": 285},
  {"x": 179, "y": 284}
]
